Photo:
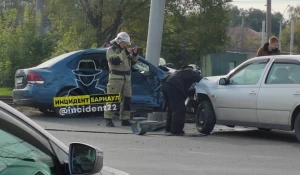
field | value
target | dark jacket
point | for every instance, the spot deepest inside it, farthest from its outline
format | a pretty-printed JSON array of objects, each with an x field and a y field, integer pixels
[
  {"x": 264, "y": 51},
  {"x": 183, "y": 80}
]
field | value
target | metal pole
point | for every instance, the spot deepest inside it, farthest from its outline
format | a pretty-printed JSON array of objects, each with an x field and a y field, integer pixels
[
  {"x": 263, "y": 32},
  {"x": 268, "y": 18},
  {"x": 292, "y": 37},
  {"x": 155, "y": 30},
  {"x": 280, "y": 33},
  {"x": 242, "y": 34},
  {"x": 40, "y": 8}
]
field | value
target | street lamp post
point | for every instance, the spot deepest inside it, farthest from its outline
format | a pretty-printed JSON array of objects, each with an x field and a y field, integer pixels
[{"x": 280, "y": 27}]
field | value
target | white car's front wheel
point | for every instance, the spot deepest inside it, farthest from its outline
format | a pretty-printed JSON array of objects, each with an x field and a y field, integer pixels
[
  {"x": 297, "y": 127},
  {"x": 205, "y": 117}
]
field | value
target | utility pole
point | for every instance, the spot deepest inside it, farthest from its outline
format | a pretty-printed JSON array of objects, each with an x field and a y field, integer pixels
[
  {"x": 292, "y": 37},
  {"x": 39, "y": 4},
  {"x": 242, "y": 35},
  {"x": 155, "y": 30},
  {"x": 280, "y": 27},
  {"x": 263, "y": 32},
  {"x": 268, "y": 20},
  {"x": 280, "y": 33}
]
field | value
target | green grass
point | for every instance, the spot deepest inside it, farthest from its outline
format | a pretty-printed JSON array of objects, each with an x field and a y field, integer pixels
[{"x": 6, "y": 91}]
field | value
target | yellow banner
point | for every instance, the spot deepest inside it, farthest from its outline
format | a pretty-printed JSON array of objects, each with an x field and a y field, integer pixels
[{"x": 85, "y": 100}]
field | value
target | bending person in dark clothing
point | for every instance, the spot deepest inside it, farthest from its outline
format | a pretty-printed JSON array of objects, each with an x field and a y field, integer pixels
[{"x": 176, "y": 89}]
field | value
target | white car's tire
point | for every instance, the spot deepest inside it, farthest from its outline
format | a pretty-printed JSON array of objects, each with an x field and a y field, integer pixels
[
  {"x": 297, "y": 127},
  {"x": 205, "y": 117}
]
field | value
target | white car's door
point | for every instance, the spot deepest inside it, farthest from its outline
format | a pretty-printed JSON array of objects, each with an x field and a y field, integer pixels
[
  {"x": 236, "y": 101},
  {"x": 279, "y": 93}
]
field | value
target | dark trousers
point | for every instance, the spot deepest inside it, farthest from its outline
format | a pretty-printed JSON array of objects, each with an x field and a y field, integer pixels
[{"x": 176, "y": 108}]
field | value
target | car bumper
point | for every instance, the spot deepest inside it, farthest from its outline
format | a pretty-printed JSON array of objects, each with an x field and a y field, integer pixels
[{"x": 31, "y": 97}]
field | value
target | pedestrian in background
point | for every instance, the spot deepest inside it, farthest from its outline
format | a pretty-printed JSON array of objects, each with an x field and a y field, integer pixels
[
  {"x": 120, "y": 59},
  {"x": 269, "y": 48}
]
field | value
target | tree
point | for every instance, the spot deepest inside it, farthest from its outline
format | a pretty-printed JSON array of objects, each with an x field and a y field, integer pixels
[
  {"x": 21, "y": 46},
  {"x": 87, "y": 23},
  {"x": 295, "y": 14},
  {"x": 254, "y": 18},
  {"x": 193, "y": 29}
]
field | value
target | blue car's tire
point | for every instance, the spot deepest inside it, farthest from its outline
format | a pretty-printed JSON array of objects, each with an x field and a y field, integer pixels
[
  {"x": 46, "y": 111},
  {"x": 59, "y": 111}
]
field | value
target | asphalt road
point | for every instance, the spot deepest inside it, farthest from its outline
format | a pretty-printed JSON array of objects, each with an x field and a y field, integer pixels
[{"x": 225, "y": 152}]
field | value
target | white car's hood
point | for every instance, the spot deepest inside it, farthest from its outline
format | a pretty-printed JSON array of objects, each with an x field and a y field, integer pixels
[
  {"x": 214, "y": 78},
  {"x": 207, "y": 83}
]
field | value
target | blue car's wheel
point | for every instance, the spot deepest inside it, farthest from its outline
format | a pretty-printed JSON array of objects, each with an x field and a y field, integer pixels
[{"x": 66, "y": 112}]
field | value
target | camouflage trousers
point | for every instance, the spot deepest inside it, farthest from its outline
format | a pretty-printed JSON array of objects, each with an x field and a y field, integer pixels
[{"x": 123, "y": 87}]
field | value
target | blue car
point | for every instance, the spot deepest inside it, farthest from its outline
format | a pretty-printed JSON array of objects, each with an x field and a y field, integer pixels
[{"x": 84, "y": 72}]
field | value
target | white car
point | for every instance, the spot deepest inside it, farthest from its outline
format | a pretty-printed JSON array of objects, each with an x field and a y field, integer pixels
[{"x": 262, "y": 92}]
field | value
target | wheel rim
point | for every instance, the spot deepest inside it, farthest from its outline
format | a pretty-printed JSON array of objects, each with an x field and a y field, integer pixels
[{"x": 200, "y": 118}]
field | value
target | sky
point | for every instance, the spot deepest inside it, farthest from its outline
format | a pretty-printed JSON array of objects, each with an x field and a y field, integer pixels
[{"x": 276, "y": 5}]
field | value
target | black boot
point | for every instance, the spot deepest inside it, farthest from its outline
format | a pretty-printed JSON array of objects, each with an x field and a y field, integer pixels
[
  {"x": 126, "y": 123},
  {"x": 110, "y": 123}
]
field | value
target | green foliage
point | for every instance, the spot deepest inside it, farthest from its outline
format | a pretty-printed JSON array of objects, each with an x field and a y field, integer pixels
[
  {"x": 20, "y": 45},
  {"x": 193, "y": 29},
  {"x": 254, "y": 18},
  {"x": 5, "y": 91},
  {"x": 294, "y": 12},
  {"x": 286, "y": 37}
]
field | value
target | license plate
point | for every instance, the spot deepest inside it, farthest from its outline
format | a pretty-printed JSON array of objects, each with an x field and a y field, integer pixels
[{"x": 19, "y": 80}]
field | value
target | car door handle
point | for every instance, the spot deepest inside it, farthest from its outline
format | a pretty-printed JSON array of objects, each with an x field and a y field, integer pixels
[{"x": 252, "y": 92}]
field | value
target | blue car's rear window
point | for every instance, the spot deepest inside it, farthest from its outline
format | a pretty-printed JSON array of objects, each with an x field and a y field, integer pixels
[{"x": 54, "y": 60}]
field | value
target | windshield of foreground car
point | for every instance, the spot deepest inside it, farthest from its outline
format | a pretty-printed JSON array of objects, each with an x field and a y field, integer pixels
[
  {"x": 15, "y": 152},
  {"x": 54, "y": 60}
]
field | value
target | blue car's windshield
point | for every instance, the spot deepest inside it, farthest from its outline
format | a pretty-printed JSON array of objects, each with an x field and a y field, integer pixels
[{"x": 54, "y": 60}]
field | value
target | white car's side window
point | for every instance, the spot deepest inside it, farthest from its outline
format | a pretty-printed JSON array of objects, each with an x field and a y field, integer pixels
[
  {"x": 248, "y": 75},
  {"x": 284, "y": 73}
]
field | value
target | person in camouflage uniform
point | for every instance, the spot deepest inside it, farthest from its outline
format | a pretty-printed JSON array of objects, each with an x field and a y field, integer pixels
[{"x": 120, "y": 59}]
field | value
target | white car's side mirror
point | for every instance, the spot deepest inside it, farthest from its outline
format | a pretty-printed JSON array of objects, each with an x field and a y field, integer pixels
[
  {"x": 84, "y": 159},
  {"x": 222, "y": 81}
]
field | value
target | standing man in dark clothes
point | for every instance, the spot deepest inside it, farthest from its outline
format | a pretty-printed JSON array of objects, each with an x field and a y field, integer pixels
[
  {"x": 270, "y": 48},
  {"x": 176, "y": 88}
]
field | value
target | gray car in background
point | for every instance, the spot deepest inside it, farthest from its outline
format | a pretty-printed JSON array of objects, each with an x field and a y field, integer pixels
[{"x": 262, "y": 92}]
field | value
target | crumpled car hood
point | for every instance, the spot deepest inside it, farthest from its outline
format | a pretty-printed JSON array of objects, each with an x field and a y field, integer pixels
[{"x": 207, "y": 82}]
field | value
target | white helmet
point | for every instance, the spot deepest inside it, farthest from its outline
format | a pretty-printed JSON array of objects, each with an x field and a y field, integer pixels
[
  {"x": 195, "y": 68},
  {"x": 162, "y": 62},
  {"x": 122, "y": 37}
]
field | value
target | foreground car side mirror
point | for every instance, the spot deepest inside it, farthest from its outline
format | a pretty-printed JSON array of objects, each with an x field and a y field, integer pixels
[
  {"x": 84, "y": 159},
  {"x": 222, "y": 81}
]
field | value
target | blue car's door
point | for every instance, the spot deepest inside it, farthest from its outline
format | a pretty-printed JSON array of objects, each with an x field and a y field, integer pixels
[
  {"x": 92, "y": 73},
  {"x": 145, "y": 85},
  {"x": 144, "y": 79}
]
